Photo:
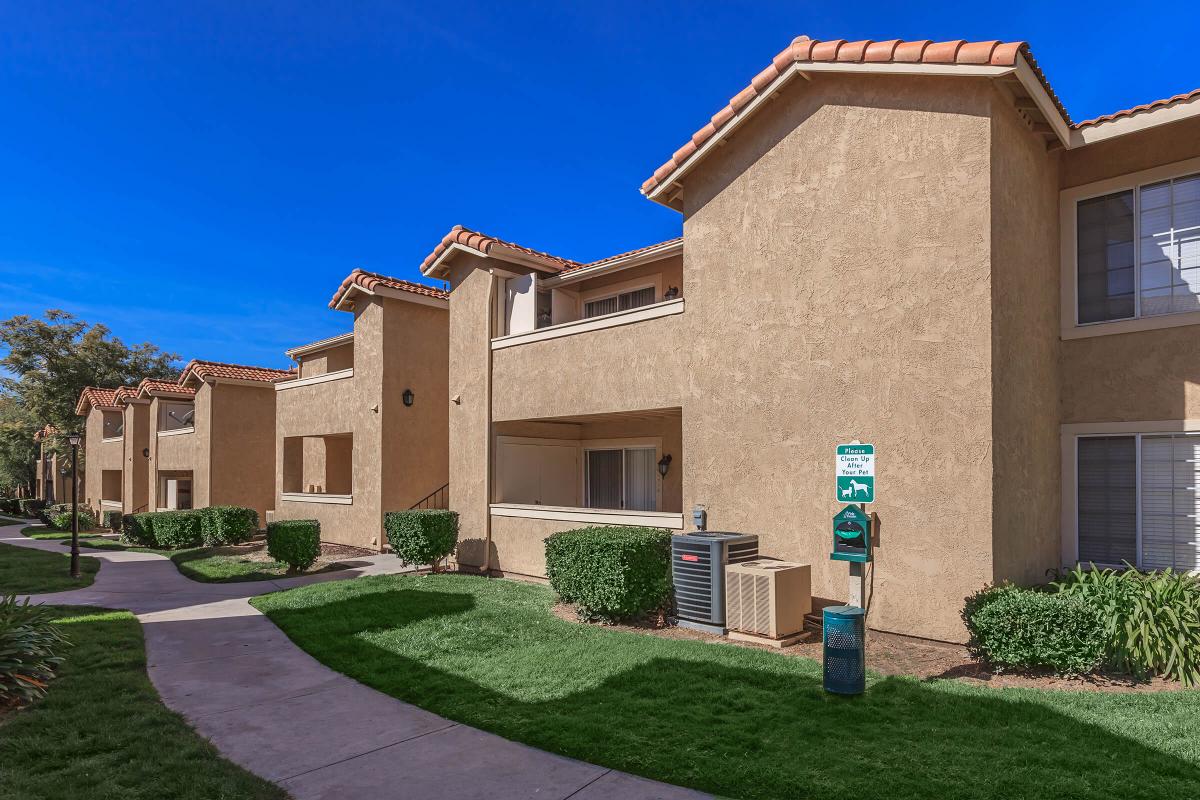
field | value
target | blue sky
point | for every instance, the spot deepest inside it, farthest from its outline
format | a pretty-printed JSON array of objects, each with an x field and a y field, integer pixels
[{"x": 203, "y": 175}]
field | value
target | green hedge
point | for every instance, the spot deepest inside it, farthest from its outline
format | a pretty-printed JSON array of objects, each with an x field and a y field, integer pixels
[
  {"x": 611, "y": 572},
  {"x": 175, "y": 530},
  {"x": 111, "y": 520},
  {"x": 295, "y": 542},
  {"x": 10, "y": 505},
  {"x": 1018, "y": 628},
  {"x": 62, "y": 519},
  {"x": 31, "y": 507},
  {"x": 424, "y": 536},
  {"x": 223, "y": 525},
  {"x": 137, "y": 529}
]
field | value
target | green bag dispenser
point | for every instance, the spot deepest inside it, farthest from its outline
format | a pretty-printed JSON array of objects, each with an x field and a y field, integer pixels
[{"x": 851, "y": 535}]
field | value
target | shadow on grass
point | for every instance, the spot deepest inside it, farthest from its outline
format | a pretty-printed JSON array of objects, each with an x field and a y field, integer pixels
[{"x": 728, "y": 720}]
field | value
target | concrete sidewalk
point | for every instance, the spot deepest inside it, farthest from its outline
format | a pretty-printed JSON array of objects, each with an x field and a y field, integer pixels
[{"x": 270, "y": 707}]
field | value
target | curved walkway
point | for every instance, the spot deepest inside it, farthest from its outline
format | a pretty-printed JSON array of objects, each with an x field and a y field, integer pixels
[{"x": 270, "y": 707}]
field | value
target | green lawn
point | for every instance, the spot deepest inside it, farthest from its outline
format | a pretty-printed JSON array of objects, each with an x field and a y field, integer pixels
[
  {"x": 731, "y": 720},
  {"x": 212, "y": 564},
  {"x": 102, "y": 733},
  {"x": 26, "y": 571},
  {"x": 42, "y": 532}
]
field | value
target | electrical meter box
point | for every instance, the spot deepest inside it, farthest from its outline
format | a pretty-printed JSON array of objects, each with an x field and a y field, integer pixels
[{"x": 851, "y": 535}]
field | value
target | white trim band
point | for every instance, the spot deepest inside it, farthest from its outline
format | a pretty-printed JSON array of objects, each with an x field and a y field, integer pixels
[
  {"x": 107, "y": 439},
  {"x": 178, "y": 431},
  {"x": 664, "y": 309},
  {"x": 310, "y": 497},
  {"x": 601, "y": 516},
  {"x": 323, "y": 378}
]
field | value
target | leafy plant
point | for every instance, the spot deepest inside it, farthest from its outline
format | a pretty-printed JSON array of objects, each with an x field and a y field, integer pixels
[
  {"x": 1151, "y": 620},
  {"x": 295, "y": 542},
  {"x": 222, "y": 525},
  {"x": 62, "y": 519},
  {"x": 1012, "y": 627},
  {"x": 111, "y": 520},
  {"x": 138, "y": 529},
  {"x": 611, "y": 573},
  {"x": 423, "y": 536},
  {"x": 29, "y": 649},
  {"x": 174, "y": 530}
]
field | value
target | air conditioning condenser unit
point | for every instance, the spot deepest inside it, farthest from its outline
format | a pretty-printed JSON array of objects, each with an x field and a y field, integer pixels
[{"x": 765, "y": 601}]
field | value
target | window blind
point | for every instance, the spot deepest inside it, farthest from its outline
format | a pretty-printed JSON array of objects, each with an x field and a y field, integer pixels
[
  {"x": 1107, "y": 499},
  {"x": 1169, "y": 502},
  {"x": 640, "y": 478},
  {"x": 604, "y": 478}
]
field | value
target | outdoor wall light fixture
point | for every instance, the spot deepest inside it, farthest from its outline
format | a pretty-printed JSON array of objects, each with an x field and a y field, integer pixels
[
  {"x": 408, "y": 397},
  {"x": 145, "y": 452},
  {"x": 664, "y": 464}
]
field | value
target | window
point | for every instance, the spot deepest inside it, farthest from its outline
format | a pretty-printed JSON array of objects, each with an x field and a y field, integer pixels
[
  {"x": 1138, "y": 251},
  {"x": 619, "y": 302},
  {"x": 623, "y": 478},
  {"x": 1137, "y": 500},
  {"x": 177, "y": 416}
]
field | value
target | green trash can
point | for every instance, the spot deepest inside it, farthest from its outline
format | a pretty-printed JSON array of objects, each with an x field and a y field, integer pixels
[{"x": 844, "y": 639}]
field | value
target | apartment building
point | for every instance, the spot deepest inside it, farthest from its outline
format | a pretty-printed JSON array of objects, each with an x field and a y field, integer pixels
[
  {"x": 51, "y": 482},
  {"x": 362, "y": 429},
  {"x": 905, "y": 243},
  {"x": 104, "y": 443},
  {"x": 211, "y": 437}
]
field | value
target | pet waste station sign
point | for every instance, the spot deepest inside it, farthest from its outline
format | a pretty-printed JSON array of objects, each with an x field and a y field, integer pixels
[{"x": 856, "y": 473}]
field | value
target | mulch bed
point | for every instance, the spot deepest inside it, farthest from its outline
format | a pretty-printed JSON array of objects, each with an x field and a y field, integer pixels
[
  {"x": 893, "y": 654},
  {"x": 257, "y": 551}
]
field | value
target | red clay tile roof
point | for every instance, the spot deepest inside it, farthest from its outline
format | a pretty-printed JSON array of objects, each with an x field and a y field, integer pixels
[
  {"x": 239, "y": 372},
  {"x": 95, "y": 397},
  {"x": 369, "y": 280},
  {"x": 1154, "y": 106},
  {"x": 149, "y": 385},
  {"x": 124, "y": 393},
  {"x": 49, "y": 430},
  {"x": 484, "y": 244},
  {"x": 893, "y": 51}
]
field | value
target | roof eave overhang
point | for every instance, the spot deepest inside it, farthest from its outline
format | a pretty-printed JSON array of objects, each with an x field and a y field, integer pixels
[
  {"x": 668, "y": 191},
  {"x": 440, "y": 267},
  {"x": 1135, "y": 123},
  {"x": 650, "y": 255},
  {"x": 318, "y": 346},
  {"x": 346, "y": 301}
]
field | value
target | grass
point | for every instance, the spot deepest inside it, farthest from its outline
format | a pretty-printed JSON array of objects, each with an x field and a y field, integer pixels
[
  {"x": 42, "y": 532},
  {"x": 213, "y": 564},
  {"x": 101, "y": 731},
  {"x": 26, "y": 571},
  {"x": 730, "y": 720}
]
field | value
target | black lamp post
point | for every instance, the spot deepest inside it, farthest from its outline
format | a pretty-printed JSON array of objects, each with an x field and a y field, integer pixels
[{"x": 74, "y": 438}]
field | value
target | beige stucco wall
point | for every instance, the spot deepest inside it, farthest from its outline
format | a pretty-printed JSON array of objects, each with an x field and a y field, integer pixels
[
  {"x": 399, "y": 453},
  {"x": 1025, "y": 351},
  {"x": 1143, "y": 375},
  {"x": 329, "y": 360},
  {"x": 100, "y": 456},
  {"x": 136, "y": 468},
  {"x": 241, "y": 459},
  {"x": 185, "y": 452}
]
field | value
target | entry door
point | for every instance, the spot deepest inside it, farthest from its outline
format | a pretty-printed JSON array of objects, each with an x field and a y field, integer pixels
[{"x": 178, "y": 493}]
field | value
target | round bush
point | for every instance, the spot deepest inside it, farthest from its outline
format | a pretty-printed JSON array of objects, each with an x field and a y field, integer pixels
[
  {"x": 613, "y": 572},
  {"x": 1019, "y": 628},
  {"x": 174, "y": 530},
  {"x": 424, "y": 536},
  {"x": 295, "y": 542},
  {"x": 61, "y": 520},
  {"x": 222, "y": 525}
]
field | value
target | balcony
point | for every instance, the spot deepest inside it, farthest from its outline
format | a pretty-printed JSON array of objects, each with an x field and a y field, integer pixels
[{"x": 318, "y": 469}]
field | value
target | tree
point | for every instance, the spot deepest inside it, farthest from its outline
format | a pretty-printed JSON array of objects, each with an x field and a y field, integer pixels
[{"x": 50, "y": 361}]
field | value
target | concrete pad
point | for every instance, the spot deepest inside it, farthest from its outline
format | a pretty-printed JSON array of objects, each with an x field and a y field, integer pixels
[
  {"x": 459, "y": 762},
  {"x": 325, "y": 727},
  {"x": 170, "y": 643},
  {"x": 622, "y": 786}
]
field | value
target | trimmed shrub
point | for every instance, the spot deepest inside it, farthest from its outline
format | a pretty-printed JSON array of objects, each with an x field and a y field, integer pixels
[
  {"x": 611, "y": 573},
  {"x": 29, "y": 646},
  {"x": 138, "y": 529},
  {"x": 423, "y": 536},
  {"x": 295, "y": 542},
  {"x": 222, "y": 525},
  {"x": 31, "y": 507},
  {"x": 61, "y": 520},
  {"x": 10, "y": 505},
  {"x": 174, "y": 530},
  {"x": 1151, "y": 620},
  {"x": 111, "y": 520},
  {"x": 1018, "y": 628}
]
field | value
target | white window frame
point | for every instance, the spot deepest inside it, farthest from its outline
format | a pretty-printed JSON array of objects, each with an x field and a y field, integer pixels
[
  {"x": 1069, "y": 200},
  {"x": 1071, "y": 434}
]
